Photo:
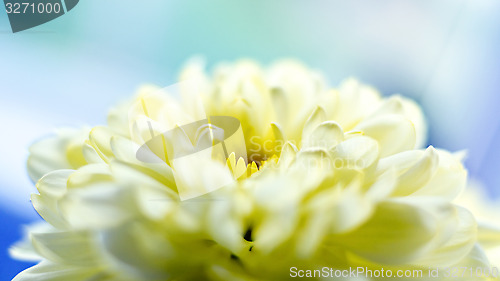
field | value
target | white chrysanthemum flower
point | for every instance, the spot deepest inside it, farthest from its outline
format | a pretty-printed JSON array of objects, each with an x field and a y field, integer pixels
[{"x": 326, "y": 177}]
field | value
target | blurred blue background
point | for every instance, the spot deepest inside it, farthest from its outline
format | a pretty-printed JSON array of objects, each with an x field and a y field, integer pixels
[{"x": 68, "y": 72}]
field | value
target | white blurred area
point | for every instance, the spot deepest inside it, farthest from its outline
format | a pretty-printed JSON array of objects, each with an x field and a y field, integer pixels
[{"x": 443, "y": 53}]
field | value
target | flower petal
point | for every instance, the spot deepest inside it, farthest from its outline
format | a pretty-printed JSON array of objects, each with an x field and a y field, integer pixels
[
  {"x": 355, "y": 153},
  {"x": 326, "y": 135},
  {"x": 48, "y": 271},
  {"x": 394, "y": 133},
  {"x": 62, "y": 151}
]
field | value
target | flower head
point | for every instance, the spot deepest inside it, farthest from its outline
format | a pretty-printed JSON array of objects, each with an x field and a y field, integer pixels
[{"x": 310, "y": 176}]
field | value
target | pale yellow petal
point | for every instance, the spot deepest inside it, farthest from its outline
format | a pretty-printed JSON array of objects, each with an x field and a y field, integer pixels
[{"x": 394, "y": 133}]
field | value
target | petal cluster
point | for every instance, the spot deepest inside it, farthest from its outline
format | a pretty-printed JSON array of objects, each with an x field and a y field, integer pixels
[{"x": 320, "y": 177}]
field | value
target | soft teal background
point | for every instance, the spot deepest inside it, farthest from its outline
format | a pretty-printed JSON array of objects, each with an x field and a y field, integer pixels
[{"x": 68, "y": 72}]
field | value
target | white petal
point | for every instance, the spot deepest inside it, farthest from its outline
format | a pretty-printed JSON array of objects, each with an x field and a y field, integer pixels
[
  {"x": 419, "y": 174},
  {"x": 317, "y": 117},
  {"x": 126, "y": 150},
  {"x": 100, "y": 140},
  {"x": 57, "y": 152},
  {"x": 23, "y": 250},
  {"x": 72, "y": 247},
  {"x": 355, "y": 153},
  {"x": 458, "y": 246},
  {"x": 326, "y": 135},
  {"x": 47, "y": 271},
  {"x": 89, "y": 174},
  {"x": 449, "y": 180},
  {"x": 400, "y": 231},
  {"x": 287, "y": 155},
  {"x": 394, "y": 133},
  {"x": 52, "y": 188},
  {"x": 98, "y": 206},
  {"x": 409, "y": 109}
]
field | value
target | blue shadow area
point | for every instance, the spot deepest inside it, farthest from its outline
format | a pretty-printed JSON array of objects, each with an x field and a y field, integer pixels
[{"x": 12, "y": 231}]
